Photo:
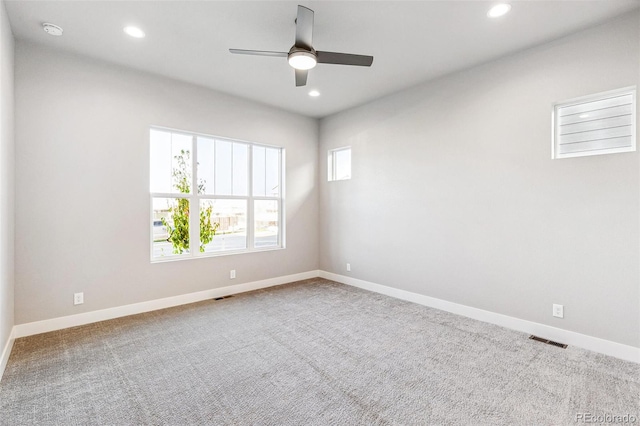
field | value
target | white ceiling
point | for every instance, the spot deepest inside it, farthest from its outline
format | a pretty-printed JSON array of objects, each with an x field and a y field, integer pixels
[{"x": 412, "y": 41}]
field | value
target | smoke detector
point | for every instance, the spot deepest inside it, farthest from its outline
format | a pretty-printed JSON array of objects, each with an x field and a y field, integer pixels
[{"x": 52, "y": 29}]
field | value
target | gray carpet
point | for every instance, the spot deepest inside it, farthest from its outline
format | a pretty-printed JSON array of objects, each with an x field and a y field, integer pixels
[{"x": 307, "y": 353}]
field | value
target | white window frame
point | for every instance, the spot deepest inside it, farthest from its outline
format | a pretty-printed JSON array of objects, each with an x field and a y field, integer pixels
[
  {"x": 332, "y": 161},
  {"x": 555, "y": 127},
  {"x": 194, "y": 201}
]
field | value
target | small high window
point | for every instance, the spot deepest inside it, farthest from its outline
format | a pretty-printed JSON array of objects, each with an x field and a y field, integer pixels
[
  {"x": 339, "y": 164},
  {"x": 604, "y": 123}
]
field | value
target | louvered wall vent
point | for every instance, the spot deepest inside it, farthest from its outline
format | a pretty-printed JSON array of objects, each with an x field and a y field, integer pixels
[
  {"x": 604, "y": 123},
  {"x": 548, "y": 342}
]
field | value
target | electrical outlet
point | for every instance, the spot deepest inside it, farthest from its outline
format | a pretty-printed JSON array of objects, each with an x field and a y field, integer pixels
[
  {"x": 348, "y": 267},
  {"x": 558, "y": 311},
  {"x": 232, "y": 274},
  {"x": 78, "y": 298}
]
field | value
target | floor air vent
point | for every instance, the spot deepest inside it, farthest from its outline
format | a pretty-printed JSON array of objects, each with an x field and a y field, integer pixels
[
  {"x": 223, "y": 297},
  {"x": 548, "y": 342}
]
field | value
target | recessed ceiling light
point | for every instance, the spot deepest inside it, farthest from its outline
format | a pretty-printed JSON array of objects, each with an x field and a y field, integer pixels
[
  {"x": 314, "y": 93},
  {"x": 134, "y": 32},
  {"x": 499, "y": 10},
  {"x": 52, "y": 29}
]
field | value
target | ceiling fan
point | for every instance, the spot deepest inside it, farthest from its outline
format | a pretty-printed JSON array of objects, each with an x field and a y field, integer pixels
[{"x": 302, "y": 56}]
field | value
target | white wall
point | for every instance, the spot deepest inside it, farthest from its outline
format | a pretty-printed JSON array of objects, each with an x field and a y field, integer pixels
[
  {"x": 454, "y": 193},
  {"x": 82, "y": 184},
  {"x": 7, "y": 161}
]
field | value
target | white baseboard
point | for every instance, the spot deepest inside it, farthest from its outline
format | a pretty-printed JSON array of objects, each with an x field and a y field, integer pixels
[
  {"x": 37, "y": 327},
  {"x": 607, "y": 347},
  {"x": 4, "y": 357}
]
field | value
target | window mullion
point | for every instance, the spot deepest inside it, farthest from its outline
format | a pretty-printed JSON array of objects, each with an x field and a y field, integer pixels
[
  {"x": 281, "y": 226},
  {"x": 226, "y": 197},
  {"x": 194, "y": 204},
  {"x": 250, "y": 203},
  {"x": 213, "y": 184}
]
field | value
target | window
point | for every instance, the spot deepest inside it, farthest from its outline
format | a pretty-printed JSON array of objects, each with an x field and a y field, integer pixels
[
  {"x": 339, "y": 164},
  {"x": 225, "y": 195},
  {"x": 604, "y": 123}
]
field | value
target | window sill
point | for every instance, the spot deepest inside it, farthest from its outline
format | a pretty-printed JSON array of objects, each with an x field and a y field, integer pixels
[{"x": 209, "y": 255}]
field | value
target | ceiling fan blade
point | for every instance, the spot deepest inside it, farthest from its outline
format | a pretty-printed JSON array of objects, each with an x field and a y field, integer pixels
[
  {"x": 258, "y": 52},
  {"x": 301, "y": 78},
  {"x": 304, "y": 28},
  {"x": 344, "y": 59}
]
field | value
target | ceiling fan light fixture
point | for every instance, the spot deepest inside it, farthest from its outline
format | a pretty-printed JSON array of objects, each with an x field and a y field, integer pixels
[
  {"x": 302, "y": 56},
  {"x": 302, "y": 60}
]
